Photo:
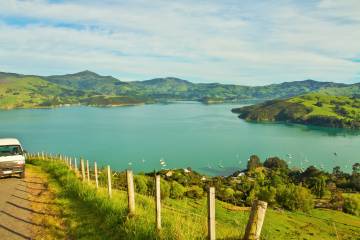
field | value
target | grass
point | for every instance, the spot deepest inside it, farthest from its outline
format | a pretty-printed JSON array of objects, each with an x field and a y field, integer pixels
[
  {"x": 312, "y": 109},
  {"x": 89, "y": 214}
]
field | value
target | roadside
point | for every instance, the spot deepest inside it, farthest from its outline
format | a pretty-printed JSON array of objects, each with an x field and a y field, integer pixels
[{"x": 15, "y": 209}]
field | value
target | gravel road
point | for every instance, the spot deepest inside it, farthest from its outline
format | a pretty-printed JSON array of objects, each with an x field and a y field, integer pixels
[{"x": 15, "y": 209}]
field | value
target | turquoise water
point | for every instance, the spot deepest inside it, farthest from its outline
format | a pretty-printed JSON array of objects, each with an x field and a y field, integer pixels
[{"x": 208, "y": 138}]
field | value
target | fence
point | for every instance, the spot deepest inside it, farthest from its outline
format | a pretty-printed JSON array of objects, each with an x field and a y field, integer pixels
[{"x": 103, "y": 177}]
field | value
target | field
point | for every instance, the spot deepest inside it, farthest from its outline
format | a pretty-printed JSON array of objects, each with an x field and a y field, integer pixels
[{"x": 89, "y": 214}]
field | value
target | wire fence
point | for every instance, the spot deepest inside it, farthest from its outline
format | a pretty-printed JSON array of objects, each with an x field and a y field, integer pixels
[{"x": 89, "y": 172}]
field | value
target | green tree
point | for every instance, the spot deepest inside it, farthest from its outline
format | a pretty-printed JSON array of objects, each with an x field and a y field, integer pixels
[
  {"x": 176, "y": 190},
  {"x": 141, "y": 184},
  {"x": 253, "y": 162},
  {"x": 319, "y": 186},
  {"x": 275, "y": 163},
  {"x": 293, "y": 197}
]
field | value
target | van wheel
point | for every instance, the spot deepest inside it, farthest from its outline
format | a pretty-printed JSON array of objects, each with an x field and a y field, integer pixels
[{"x": 22, "y": 174}]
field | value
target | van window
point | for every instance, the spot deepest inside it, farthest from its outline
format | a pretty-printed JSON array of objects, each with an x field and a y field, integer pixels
[{"x": 10, "y": 150}]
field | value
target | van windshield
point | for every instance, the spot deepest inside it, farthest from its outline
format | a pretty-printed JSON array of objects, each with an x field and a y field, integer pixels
[{"x": 10, "y": 150}]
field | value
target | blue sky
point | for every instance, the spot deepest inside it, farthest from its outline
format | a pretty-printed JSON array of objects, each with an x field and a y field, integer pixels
[{"x": 242, "y": 42}]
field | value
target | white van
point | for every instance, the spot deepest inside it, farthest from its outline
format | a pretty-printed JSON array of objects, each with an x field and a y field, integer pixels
[{"x": 12, "y": 159}]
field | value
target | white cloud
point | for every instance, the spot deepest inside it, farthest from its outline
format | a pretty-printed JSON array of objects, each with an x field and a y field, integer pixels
[{"x": 205, "y": 41}]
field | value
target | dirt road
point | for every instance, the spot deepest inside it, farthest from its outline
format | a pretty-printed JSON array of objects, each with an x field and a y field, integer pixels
[{"x": 16, "y": 213}]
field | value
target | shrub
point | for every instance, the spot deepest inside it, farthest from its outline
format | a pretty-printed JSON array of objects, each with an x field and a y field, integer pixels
[
  {"x": 336, "y": 200},
  {"x": 275, "y": 163},
  {"x": 352, "y": 205},
  {"x": 267, "y": 194},
  {"x": 226, "y": 194},
  {"x": 141, "y": 184},
  {"x": 176, "y": 190},
  {"x": 164, "y": 189},
  {"x": 294, "y": 197},
  {"x": 195, "y": 192},
  {"x": 253, "y": 162}
]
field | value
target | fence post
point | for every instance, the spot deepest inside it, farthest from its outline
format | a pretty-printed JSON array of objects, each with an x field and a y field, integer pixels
[
  {"x": 109, "y": 181},
  {"x": 87, "y": 171},
  {"x": 256, "y": 220},
  {"x": 131, "y": 194},
  {"x": 96, "y": 175},
  {"x": 211, "y": 213},
  {"x": 82, "y": 169},
  {"x": 75, "y": 165},
  {"x": 158, "y": 203},
  {"x": 70, "y": 163}
]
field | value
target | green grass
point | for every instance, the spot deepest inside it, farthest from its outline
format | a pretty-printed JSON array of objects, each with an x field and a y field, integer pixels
[
  {"x": 313, "y": 108},
  {"x": 93, "y": 216}
]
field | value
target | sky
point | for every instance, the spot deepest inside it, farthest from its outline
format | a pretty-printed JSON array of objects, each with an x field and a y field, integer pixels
[{"x": 229, "y": 41}]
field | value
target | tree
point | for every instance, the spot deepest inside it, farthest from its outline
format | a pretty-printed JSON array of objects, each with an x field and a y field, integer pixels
[
  {"x": 337, "y": 171},
  {"x": 294, "y": 197},
  {"x": 356, "y": 168},
  {"x": 177, "y": 190},
  {"x": 141, "y": 184},
  {"x": 319, "y": 187},
  {"x": 275, "y": 163},
  {"x": 253, "y": 162}
]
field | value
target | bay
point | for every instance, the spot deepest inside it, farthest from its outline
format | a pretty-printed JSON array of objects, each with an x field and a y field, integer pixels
[{"x": 207, "y": 138}]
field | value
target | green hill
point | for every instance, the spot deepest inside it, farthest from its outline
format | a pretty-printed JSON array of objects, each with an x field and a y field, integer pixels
[
  {"x": 20, "y": 91},
  {"x": 87, "y": 213},
  {"x": 24, "y": 91},
  {"x": 314, "y": 109}
]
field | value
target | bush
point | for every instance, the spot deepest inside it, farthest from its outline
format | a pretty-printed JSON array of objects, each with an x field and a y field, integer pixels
[
  {"x": 195, "y": 192},
  {"x": 141, "y": 184},
  {"x": 226, "y": 194},
  {"x": 253, "y": 162},
  {"x": 336, "y": 200},
  {"x": 164, "y": 189},
  {"x": 176, "y": 190},
  {"x": 275, "y": 163},
  {"x": 294, "y": 197},
  {"x": 267, "y": 194},
  {"x": 352, "y": 205}
]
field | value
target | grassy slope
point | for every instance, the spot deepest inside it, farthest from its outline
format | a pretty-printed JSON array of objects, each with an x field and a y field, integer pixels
[
  {"x": 90, "y": 215},
  {"x": 302, "y": 109},
  {"x": 19, "y": 91},
  {"x": 160, "y": 89}
]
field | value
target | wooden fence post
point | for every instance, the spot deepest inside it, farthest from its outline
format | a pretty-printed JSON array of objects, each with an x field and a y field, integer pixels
[
  {"x": 75, "y": 165},
  {"x": 82, "y": 169},
  {"x": 96, "y": 175},
  {"x": 70, "y": 163},
  {"x": 109, "y": 181},
  {"x": 158, "y": 202},
  {"x": 131, "y": 194},
  {"x": 211, "y": 213},
  {"x": 87, "y": 171},
  {"x": 256, "y": 220}
]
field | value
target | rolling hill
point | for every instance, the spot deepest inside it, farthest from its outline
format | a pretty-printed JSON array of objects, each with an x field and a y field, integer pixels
[
  {"x": 86, "y": 87},
  {"x": 313, "y": 108}
]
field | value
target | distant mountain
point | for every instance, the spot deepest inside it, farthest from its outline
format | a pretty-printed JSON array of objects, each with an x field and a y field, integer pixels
[
  {"x": 87, "y": 81},
  {"x": 89, "y": 87},
  {"x": 313, "y": 108}
]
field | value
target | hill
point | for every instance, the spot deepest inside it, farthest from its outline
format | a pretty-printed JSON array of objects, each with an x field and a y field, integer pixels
[
  {"x": 20, "y": 91},
  {"x": 314, "y": 109},
  {"x": 24, "y": 91},
  {"x": 88, "y": 213}
]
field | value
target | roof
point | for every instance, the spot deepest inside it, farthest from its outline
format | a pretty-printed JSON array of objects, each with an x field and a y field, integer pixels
[{"x": 9, "y": 141}]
